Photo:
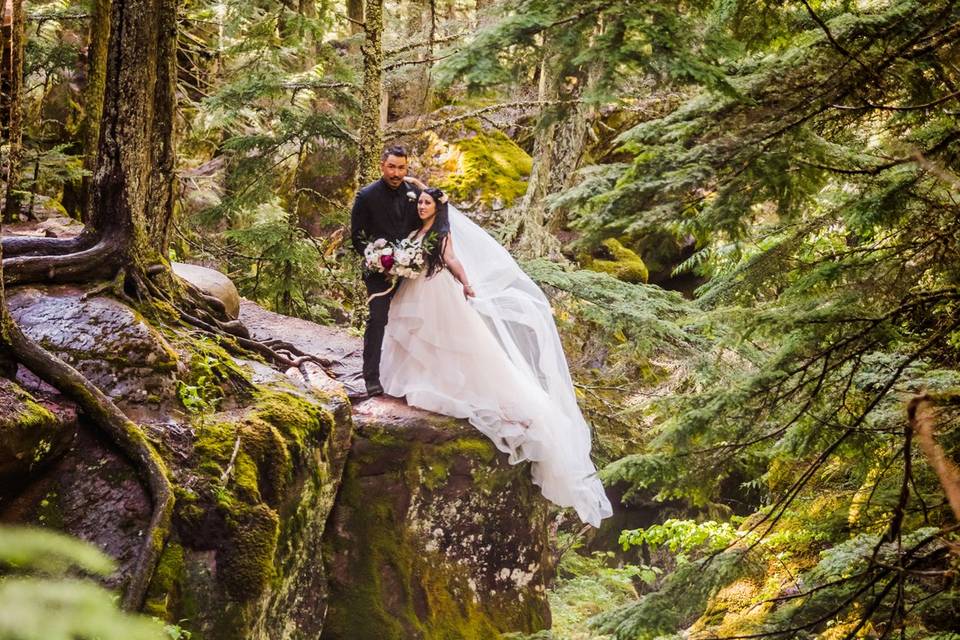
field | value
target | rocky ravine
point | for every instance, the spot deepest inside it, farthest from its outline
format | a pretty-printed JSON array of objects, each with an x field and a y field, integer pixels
[{"x": 298, "y": 515}]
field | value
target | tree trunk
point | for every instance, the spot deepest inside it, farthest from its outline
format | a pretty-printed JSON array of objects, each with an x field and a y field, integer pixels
[
  {"x": 93, "y": 97},
  {"x": 6, "y": 39},
  {"x": 558, "y": 152},
  {"x": 134, "y": 158},
  {"x": 160, "y": 203},
  {"x": 409, "y": 96},
  {"x": 355, "y": 13},
  {"x": 371, "y": 132},
  {"x": 13, "y": 75}
]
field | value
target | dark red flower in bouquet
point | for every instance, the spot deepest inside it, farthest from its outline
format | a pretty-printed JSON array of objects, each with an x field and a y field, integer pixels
[{"x": 386, "y": 262}]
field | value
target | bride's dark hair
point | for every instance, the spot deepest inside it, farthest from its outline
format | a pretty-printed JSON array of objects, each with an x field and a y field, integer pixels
[{"x": 436, "y": 238}]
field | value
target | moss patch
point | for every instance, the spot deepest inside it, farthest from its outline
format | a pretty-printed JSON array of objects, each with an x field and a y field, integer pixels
[
  {"x": 244, "y": 461},
  {"x": 28, "y": 430},
  {"x": 487, "y": 165},
  {"x": 625, "y": 264},
  {"x": 302, "y": 422},
  {"x": 387, "y": 567},
  {"x": 166, "y": 580},
  {"x": 247, "y": 562}
]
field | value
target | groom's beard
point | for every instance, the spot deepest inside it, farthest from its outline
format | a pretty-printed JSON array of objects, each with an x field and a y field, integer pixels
[{"x": 394, "y": 182}]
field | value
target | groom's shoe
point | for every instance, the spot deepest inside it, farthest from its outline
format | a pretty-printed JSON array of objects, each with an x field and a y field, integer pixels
[{"x": 374, "y": 389}]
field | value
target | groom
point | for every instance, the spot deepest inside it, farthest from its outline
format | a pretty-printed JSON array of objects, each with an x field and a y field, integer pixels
[{"x": 386, "y": 208}]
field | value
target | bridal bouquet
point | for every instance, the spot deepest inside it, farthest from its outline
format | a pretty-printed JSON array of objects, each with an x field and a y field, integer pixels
[{"x": 403, "y": 258}]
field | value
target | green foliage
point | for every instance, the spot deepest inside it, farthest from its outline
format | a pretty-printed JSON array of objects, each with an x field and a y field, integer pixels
[
  {"x": 35, "y": 580},
  {"x": 635, "y": 39},
  {"x": 280, "y": 98},
  {"x": 682, "y": 536},
  {"x": 682, "y": 596},
  {"x": 589, "y": 584},
  {"x": 822, "y": 195},
  {"x": 202, "y": 389}
]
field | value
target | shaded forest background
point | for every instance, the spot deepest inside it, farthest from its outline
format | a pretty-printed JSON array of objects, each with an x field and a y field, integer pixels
[{"x": 745, "y": 214}]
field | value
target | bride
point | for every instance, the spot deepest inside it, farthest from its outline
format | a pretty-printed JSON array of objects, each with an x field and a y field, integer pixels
[{"x": 474, "y": 338}]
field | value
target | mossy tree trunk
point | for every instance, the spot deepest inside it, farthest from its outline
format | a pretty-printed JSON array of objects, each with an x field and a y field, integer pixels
[
  {"x": 135, "y": 161},
  {"x": 161, "y": 198},
  {"x": 13, "y": 116},
  {"x": 131, "y": 190},
  {"x": 371, "y": 133},
  {"x": 558, "y": 152},
  {"x": 76, "y": 196}
]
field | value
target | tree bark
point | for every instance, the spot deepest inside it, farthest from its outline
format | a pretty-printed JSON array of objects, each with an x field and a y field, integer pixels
[
  {"x": 160, "y": 203},
  {"x": 371, "y": 133},
  {"x": 558, "y": 151},
  {"x": 137, "y": 114},
  {"x": 93, "y": 97},
  {"x": 355, "y": 14},
  {"x": 13, "y": 75},
  {"x": 920, "y": 413},
  {"x": 409, "y": 97}
]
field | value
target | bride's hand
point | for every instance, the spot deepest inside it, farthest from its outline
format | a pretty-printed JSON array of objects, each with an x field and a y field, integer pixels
[
  {"x": 419, "y": 184},
  {"x": 468, "y": 291}
]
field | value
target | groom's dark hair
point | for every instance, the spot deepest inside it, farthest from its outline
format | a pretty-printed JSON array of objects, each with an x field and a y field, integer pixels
[{"x": 395, "y": 150}]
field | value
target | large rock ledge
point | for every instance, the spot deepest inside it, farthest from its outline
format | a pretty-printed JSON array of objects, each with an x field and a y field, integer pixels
[
  {"x": 434, "y": 534},
  {"x": 297, "y": 515}
]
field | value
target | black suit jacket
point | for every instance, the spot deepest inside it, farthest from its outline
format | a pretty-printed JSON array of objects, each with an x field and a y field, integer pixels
[{"x": 382, "y": 212}]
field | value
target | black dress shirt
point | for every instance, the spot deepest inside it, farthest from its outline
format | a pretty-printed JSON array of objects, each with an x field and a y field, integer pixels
[{"x": 380, "y": 211}]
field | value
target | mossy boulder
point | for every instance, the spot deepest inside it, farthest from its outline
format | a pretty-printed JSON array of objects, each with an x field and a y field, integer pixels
[
  {"x": 30, "y": 433},
  {"x": 475, "y": 165},
  {"x": 619, "y": 261},
  {"x": 255, "y": 456},
  {"x": 434, "y": 534}
]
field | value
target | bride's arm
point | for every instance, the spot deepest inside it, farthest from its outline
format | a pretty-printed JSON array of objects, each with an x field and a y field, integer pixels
[
  {"x": 419, "y": 184},
  {"x": 456, "y": 268}
]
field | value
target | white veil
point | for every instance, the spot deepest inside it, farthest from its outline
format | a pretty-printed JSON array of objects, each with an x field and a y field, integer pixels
[{"x": 519, "y": 315}]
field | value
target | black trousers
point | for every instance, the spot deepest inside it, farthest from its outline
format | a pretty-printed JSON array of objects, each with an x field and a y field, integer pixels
[{"x": 376, "y": 324}]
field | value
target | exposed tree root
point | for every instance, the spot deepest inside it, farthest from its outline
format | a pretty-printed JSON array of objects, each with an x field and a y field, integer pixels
[
  {"x": 14, "y": 246},
  {"x": 126, "y": 435},
  {"x": 103, "y": 261},
  {"x": 95, "y": 263}
]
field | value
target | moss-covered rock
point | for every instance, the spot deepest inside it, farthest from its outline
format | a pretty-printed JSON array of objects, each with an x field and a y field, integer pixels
[
  {"x": 30, "y": 434},
  {"x": 622, "y": 263},
  {"x": 255, "y": 456},
  {"x": 476, "y": 165},
  {"x": 434, "y": 534}
]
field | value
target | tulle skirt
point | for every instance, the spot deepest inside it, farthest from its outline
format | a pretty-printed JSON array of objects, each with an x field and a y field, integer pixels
[{"x": 439, "y": 353}]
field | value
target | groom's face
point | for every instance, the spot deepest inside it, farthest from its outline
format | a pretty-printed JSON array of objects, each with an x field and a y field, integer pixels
[{"x": 394, "y": 169}]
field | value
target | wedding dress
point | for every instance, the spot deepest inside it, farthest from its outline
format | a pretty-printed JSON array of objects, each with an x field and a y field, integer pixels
[{"x": 497, "y": 361}]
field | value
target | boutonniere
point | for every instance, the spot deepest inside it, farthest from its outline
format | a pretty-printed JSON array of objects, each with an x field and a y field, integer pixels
[{"x": 411, "y": 196}]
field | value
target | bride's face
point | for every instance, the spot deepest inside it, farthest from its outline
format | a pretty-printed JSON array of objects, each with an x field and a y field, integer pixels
[{"x": 426, "y": 207}]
